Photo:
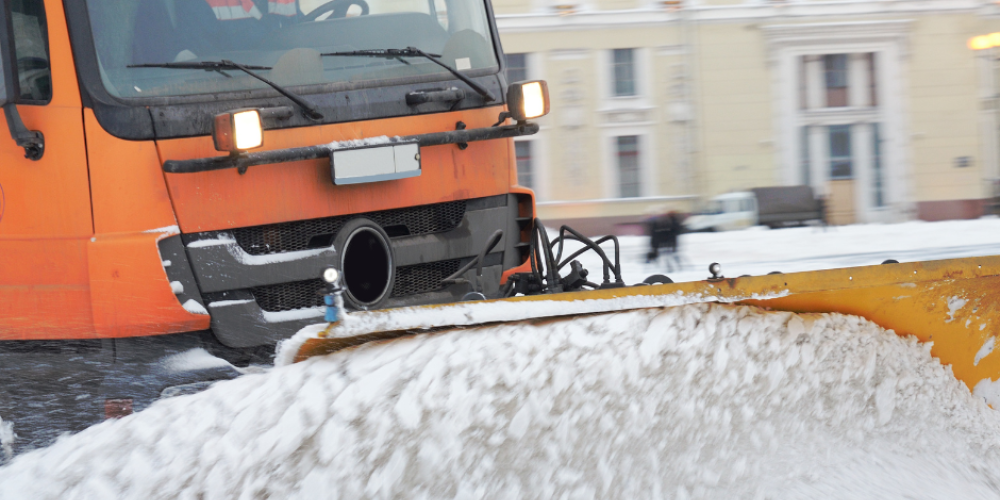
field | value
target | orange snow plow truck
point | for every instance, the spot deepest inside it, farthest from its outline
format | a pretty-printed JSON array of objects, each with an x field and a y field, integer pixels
[
  {"x": 178, "y": 174},
  {"x": 184, "y": 183}
]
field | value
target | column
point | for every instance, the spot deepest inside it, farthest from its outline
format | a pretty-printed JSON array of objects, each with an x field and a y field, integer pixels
[
  {"x": 815, "y": 82},
  {"x": 858, "y": 81},
  {"x": 819, "y": 159},
  {"x": 864, "y": 181}
]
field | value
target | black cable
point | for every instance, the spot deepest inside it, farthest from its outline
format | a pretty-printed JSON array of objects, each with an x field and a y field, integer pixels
[
  {"x": 533, "y": 256},
  {"x": 588, "y": 246},
  {"x": 550, "y": 264},
  {"x": 545, "y": 266},
  {"x": 583, "y": 250},
  {"x": 477, "y": 261},
  {"x": 594, "y": 246}
]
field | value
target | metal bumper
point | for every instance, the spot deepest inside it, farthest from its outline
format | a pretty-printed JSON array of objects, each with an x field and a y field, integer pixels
[
  {"x": 226, "y": 273},
  {"x": 246, "y": 160}
]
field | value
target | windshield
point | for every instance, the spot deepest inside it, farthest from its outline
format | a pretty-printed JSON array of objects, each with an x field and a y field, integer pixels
[
  {"x": 287, "y": 36},
  {"x": 711, "y": 207}
]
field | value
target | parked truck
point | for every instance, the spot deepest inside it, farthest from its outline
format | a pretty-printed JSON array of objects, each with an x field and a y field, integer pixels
[{"x": 773, "y": 207}]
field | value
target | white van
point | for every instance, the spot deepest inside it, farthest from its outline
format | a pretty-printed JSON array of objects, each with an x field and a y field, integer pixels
[
  {"x": 774, "y": 207},
  {"x": 725, "y": 212}
]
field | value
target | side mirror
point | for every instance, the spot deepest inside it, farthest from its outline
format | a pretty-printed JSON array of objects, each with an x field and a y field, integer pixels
[{"x": 32, "y": 141}]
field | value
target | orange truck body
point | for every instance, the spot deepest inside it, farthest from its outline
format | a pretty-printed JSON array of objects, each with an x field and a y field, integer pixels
[
  {"x": 111, "y": 263},
  {"x": 79, "y": 227}
]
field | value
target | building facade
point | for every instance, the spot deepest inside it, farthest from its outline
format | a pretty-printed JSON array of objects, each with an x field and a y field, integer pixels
[{"x": 880, "y": 106}]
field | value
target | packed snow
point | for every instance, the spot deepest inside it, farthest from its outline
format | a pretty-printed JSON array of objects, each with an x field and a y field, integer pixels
[
  {"x": 693, "y": 401},
  {"x": 360, "y": 143},
  {"x": 473, "y": 313}
]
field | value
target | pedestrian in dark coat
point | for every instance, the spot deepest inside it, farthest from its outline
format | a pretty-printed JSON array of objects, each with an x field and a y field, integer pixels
[{"x": 663, "y": 233}]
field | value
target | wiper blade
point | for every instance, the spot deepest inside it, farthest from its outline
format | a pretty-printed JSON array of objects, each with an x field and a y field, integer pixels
[
  {"x": 307, "y": 108},
  {"x": 415, "y": 52},
  {"x": 205, "y": 65}
]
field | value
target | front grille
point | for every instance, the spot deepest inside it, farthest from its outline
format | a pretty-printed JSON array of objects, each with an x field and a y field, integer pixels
[
  {"x": 319, "y": 233},
  {"x": 288, "y": 296},
  {"x": 420, "y": 278},
  {"x": 410, "y": 280}
]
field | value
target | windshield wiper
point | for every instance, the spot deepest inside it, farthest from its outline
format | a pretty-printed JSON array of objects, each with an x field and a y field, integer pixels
[
  {"x": 307, "y": 108},
  {"x": 415, "y": 52}
]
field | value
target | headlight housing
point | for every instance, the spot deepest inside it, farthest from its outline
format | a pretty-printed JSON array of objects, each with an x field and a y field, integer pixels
[
  {"x": 331, "y": 275},
  {"x": 528, "y": 99},
  {"x": 238, "y": 131}
]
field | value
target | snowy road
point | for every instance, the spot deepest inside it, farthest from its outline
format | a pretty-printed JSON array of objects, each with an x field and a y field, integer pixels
[{"x": 757, "y": 251}]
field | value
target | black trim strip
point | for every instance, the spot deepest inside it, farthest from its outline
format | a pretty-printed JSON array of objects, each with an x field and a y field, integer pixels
[{"x": 323, "y": 151}]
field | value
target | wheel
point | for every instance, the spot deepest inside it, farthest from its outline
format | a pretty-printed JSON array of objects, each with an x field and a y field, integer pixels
[
  {"x": 339, "y": 8},
  {"x": 657, "y": 279}
]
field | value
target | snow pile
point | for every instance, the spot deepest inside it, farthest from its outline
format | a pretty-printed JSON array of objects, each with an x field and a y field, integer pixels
[{"x": 697, "y": 401}]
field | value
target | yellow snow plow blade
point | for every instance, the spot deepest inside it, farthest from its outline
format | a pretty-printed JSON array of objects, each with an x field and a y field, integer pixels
[{"x": 953, "y": 303}]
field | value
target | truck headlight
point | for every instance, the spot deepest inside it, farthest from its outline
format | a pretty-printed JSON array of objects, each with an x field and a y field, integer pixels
[
  {"x": 331, "y": 275},
  {"x": 237, "y": 131},
  {"x": 526, "y": 100}
]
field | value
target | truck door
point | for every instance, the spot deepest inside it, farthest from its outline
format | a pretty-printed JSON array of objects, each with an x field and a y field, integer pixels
[{"x": 45, "y": 215}]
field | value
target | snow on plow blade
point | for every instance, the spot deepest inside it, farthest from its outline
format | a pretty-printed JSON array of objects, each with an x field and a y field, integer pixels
[{"x": 952, "y": 303}]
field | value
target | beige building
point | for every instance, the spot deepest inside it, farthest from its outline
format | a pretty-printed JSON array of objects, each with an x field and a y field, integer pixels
[{"x": 880, "y": 106}]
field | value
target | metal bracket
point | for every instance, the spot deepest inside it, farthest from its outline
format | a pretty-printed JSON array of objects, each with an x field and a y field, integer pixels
[
  {"x": 32, "y": 141},
  {"x": 461, "y": 145}
]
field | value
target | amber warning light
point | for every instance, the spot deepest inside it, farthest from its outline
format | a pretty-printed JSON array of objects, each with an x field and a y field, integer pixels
[
  {"x": 983, "y": 42},
  {"x": 238, "y": 131}
]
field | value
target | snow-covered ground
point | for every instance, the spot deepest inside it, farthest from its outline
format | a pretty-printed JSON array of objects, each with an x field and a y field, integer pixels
[
  {"x": 696, "y": 401},
  {"x": 758, "y": 250}
]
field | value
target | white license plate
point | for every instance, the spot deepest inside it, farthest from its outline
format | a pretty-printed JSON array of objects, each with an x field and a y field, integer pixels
[{"x": 376, "y": 163}]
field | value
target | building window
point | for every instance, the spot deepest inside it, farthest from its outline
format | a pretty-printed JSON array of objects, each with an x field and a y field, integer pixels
[
  {"x": 624, "y": 72},
  {"x": 628, "y": 166},
  {"x": 522, "y": 151},
  {"x": 841, "y": 166},
  {"x": 835, "y": 69},
  {"x": 877, "y": 173},
  {"x": 517, "y": 67}
]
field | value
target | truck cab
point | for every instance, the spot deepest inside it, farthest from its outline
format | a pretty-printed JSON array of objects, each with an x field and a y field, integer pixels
[{"x": 181, "y": 173}]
